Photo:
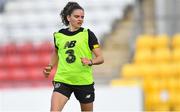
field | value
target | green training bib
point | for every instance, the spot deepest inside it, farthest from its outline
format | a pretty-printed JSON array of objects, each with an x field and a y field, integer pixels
[{"x": 71, "y": 49}]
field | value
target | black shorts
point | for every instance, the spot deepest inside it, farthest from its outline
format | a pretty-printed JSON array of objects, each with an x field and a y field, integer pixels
[{"x": 83, "y": 93}]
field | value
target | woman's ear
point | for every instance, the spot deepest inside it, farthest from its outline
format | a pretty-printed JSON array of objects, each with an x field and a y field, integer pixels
[{"x": 68, "y": 17}]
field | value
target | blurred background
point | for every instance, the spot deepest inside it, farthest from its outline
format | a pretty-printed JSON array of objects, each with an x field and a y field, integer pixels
[{"x": 140, "y": 40}]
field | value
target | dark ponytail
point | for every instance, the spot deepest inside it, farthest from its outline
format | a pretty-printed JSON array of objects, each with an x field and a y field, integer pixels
[{"x": 68, "y": 9}]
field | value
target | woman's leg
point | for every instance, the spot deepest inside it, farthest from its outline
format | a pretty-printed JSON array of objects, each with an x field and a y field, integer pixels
[
  {"x": 86, "y": 107},
  {"x": 58, "y": 101},
  {"x": 86, "y": 95}
]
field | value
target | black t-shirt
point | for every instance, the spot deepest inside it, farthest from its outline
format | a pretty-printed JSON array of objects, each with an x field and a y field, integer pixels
[{"x": 91, "y": 36}]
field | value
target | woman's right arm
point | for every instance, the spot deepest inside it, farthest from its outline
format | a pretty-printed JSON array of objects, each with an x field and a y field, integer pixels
[{"x": 52, "y": 63}]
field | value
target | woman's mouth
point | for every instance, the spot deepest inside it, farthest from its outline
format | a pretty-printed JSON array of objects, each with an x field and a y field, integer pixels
[{"x": 79, "y": 23}]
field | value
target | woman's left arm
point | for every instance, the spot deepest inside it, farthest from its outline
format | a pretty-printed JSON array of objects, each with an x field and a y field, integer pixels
[{"x": 98, "y": 59}]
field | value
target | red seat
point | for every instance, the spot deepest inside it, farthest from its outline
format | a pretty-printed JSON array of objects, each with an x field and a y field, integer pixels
[
  {"x": 3, "y": 61},
  {"x": 2, "y": 50},
  {"x": 44, "y": 59},
  {"x": 30, "y": 60},
  {"x": 18, "y": 74},
  {"x": 25, "y": 48},
  {"x": 3, "y": 75},
  {"x": 45, "y": 47},
  {"x": 14, "y": 61},
  {"x": 9, "y": 49},
  {"x": 36, "y": 74}
]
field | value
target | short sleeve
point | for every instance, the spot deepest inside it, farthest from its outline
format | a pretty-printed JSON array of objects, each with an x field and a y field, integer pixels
[
  {"x": 93, "y": 41},
  {"x": 55, "y": 41}
]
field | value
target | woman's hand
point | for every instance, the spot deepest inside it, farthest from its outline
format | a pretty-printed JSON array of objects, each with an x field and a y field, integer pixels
[
  {"x": 53, "y": 62},
  {"x": 47, "y": 70},
  {"x": 86, "y": 61}
]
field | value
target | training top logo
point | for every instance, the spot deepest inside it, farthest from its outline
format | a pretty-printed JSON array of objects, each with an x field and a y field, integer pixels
[{"x": 57, "y": 85}]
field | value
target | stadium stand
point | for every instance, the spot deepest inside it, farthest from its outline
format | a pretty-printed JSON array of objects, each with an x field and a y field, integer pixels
[
  {"x": 26, "y": 28},
  {"x": 156, "y": 66}
]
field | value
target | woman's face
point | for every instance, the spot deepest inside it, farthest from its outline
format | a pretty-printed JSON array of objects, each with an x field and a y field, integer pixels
[{"x": 76, "y": 18}]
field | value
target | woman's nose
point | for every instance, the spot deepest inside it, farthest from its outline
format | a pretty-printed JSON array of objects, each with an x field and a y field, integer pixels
[{"x": 81, "y": 18}]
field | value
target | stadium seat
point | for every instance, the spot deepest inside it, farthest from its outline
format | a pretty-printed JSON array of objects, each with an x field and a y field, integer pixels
[
  {"x": 143, "y": 57},
  {"x": 143, "y": 71},
  {"x": 2, "y": 50},
  {"x": 172, "y": 84},
  {"x": 30, "y": 60},
  {"x": 176, "y": 108},
  {"x": 151, "y": 85},
  {"x": 8, "y": 49},
  {"x": 151, "y": 100},
  {"x": 25, "y": 48},
  {"x": 3, "y": 61},
  {"x": 175, "y": 101},
  {"x": 130, "y": 71},
  {"x": 124, "y": 82},
  {"x": 18, "y": 74},
  {"x": 44, "y": 59},
  {"x": 144, "y": 42},
  {"x": 36, "y": 74},
  {"x": 176, "y": 55},
  {"x": 177, "y": 65},
  {"x": 148, "y": 71},
  {"x": 148, "y": 105},
  {"x": 163, "y": 55},
  {"x": 162, "y": 107},
  {"x": 14, "y": 61},
  {"x": 157, "y": 101},
  {"x": 45, "y": 47},
  {"x": 167, "y": 70},
  {"x": 3, "y": 75},
  {"x": 176, "y": 41},
  {"x": 162, "y": 41}
]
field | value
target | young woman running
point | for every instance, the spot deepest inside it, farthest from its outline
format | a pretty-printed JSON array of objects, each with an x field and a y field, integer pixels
[{"x": 74, "y": 49}]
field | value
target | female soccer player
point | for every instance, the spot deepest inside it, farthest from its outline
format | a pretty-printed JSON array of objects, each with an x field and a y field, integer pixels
[{"x": 74, "y": 47}]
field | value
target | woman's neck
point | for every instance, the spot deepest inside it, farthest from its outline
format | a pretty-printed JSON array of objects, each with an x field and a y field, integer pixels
[{"x": 72, "y": 29}]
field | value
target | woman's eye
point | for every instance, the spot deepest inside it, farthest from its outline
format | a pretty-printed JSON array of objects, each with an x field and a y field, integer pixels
[{"x": 76, "y": 16}]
